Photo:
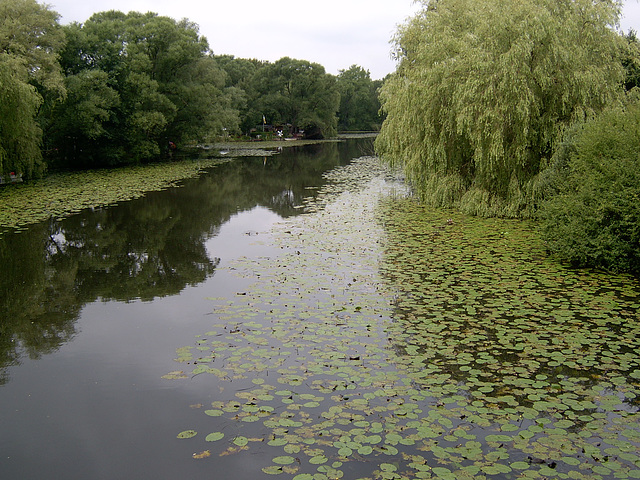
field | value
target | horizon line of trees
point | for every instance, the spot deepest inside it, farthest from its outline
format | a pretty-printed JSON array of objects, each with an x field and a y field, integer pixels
[
  {"x": 526, "y": 109},
  {"x": 119, "y": 87}
]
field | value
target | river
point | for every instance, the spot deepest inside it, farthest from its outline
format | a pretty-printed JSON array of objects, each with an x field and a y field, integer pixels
[
  {"x": 94, "y": 306},
  {"x": 302, "y": 316}
]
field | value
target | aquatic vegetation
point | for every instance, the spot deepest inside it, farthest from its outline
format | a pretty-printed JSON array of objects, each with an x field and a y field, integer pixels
[
  {"x": 544, "y": 357},
  {"x": 62, "y": 194},
  {"x": 391, "y": 341}
]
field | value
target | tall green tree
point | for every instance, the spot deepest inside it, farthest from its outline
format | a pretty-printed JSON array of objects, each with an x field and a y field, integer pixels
[
  {"x": 359, "y": 102},
  {"x": 631, "y": 60},
  {"x": 240, "y": 72},
  {"x": 296, "y": 92},
  {"x": 30, "y": 39},
  {"x": 136, "y": 82},
  {"x": 485, "y": 88}
]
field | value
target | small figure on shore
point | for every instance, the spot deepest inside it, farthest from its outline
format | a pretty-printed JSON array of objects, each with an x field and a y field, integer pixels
[{"x": 172, "y": 148}]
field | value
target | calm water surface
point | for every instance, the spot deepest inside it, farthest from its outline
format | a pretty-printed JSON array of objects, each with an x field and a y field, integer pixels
[{"x": 93, "y": 307}]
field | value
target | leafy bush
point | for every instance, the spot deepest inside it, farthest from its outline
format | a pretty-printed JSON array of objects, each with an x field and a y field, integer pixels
[{"x": 594, "y": 218}]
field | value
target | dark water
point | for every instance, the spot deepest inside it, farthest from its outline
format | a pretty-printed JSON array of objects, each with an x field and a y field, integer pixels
[{"x": 92, "y": 309}]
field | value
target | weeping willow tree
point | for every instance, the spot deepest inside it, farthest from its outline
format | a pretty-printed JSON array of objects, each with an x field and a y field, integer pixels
[
  {"x": 484, "y": 90},
  {"x": 30, "y": 39}
]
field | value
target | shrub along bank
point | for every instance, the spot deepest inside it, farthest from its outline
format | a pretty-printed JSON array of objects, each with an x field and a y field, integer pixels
[{"x": 594, "y": 217}]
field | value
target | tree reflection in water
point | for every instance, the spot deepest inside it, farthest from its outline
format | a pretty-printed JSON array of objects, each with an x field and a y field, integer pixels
[{"x": 141, "y": 249}]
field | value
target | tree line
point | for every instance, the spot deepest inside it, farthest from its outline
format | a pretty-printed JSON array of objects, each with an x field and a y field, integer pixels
[
  {"x": 525, "y": 109},
  {"x": 120, "y": 88}
]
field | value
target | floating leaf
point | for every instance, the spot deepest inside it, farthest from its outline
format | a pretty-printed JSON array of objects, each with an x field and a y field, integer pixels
[
  {"x": 214, "y": 437},
  {"x": 365, "y": 450},
  {"x": 283, "y": 460},
  {"x": 241, "y": 441},
  {"x": 443, "y": 473},
  {"x": 175, "y": 375},
  {"x": 214, "y": 413},
  {"x": 318, "y": 459},
  {"x": 345, "y": 452},
  {"x": 277, "y": 442}
]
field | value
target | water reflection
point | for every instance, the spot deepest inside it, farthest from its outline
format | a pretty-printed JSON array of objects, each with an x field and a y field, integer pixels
[{"x": 142, "y": 249}]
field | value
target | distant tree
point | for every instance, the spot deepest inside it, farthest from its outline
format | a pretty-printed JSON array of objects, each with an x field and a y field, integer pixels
[
  {"x": 295, "y": 92},
  {"x": 359, "y": 103},
  {"x": 240, "y": 72},
  {"x": 631, "y": 60},
  {"x": 30, "y": 39},
  {"x": 137, "y": 81},
  {"x": 485, "y": 88}
]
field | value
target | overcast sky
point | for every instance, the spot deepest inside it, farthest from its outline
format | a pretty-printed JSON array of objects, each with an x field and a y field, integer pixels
[{"x": 333, "y": 33}]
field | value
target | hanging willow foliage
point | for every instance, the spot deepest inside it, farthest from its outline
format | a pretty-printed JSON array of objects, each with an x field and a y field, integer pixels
[{"x": 484, "y": 90}]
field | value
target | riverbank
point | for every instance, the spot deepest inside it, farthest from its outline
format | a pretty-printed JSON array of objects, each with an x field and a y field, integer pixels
[
  {"x": 62, "y": 194},
  {"x": 269, "y": 147}
]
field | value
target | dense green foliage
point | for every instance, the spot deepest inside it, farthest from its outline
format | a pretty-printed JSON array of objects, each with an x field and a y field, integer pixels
[
  {"x": 30, "y": 39},
  {"x": 359, "y": 103},
  {"x": 594, "y": 219},
  {"x": 631, "y": 60},
  {"x": 239, "y": 73},
  {"x": 119, "y": 88},
  {"x": 135, "y": 82},
  {"x": 485, "y": 89},
  {"x": 289, "y": 95},
  {"x": 296, "y": 93}
]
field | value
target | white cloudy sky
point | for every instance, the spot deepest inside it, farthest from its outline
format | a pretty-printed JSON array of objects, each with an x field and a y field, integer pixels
[{"x": 334, "y": 33}]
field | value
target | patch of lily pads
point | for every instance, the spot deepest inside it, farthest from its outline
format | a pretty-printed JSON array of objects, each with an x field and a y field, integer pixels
[
  {"x": 61, "y": 194},
  {"x": 392, "y": 341}
]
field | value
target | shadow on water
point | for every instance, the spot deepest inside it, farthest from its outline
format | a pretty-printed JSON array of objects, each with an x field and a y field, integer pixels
[{"x": 141, "y": 249}]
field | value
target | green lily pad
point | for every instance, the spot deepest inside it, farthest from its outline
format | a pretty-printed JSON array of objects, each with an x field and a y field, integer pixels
[
  {"x": 214, "y": 413},
  {"x": 241, "y": 441},
  {"x": 272, "y": 470},
  {"x": 215, "y": 436},
  {"x": 283, "y": 460},
  {"x": 318, "y": 459}
]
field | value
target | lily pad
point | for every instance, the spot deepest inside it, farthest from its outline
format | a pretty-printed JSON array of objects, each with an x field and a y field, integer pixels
[
  {"x": 214, "y": 437},
  {"x": 241, "y": 441},
  {"x": 284, "y": 460}
]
